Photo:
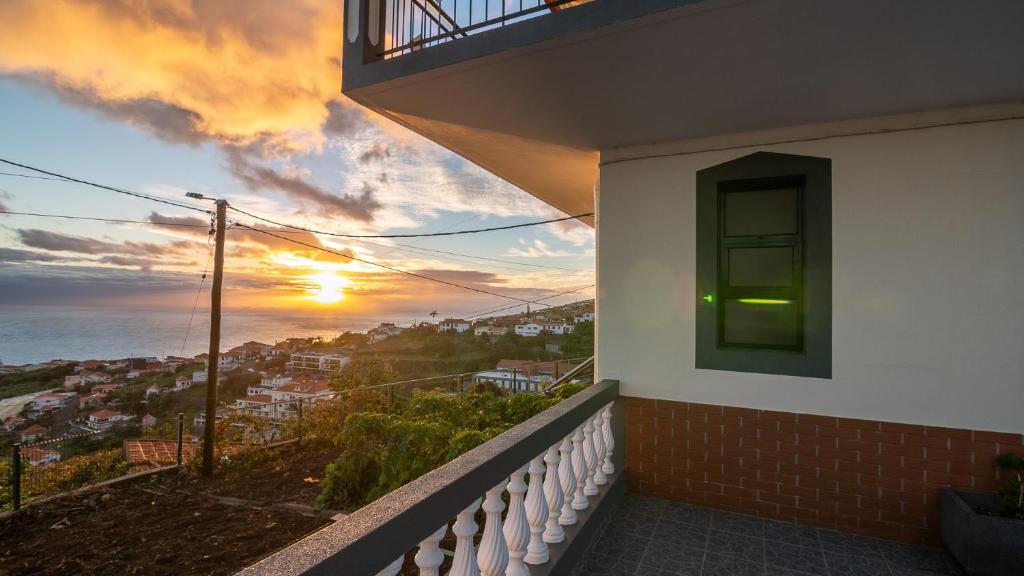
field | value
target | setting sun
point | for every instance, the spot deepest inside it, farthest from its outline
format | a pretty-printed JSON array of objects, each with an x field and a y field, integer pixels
[{"x": 327, "y": 287}]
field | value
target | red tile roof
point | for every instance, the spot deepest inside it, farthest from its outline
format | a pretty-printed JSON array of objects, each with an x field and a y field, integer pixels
[{"x": 104, "y": 413}]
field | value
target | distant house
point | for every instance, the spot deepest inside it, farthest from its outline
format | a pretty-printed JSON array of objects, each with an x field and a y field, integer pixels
[
  {"x": 53, "y": 400},
  {"x": 105, "y": 388},
  {"x": 253, "y": 349},
  {"x": 490, "y": 330},
  {"x": 199, "y": 376},
  {"x": 182, "y": 383},
  {"x": 454, "y": 325},
  {"x": 33, "y": 433},
  {"x": 37, "y": 456},
  {"x": 94, "y": 399},
  {"x": 72, "y": 380},
  {"x": 319, "y": 363},
  {"x": 88, "y": 365},
  {"x": 557, "y": 327},
  {"x": 529, "y": 330},
  {"x": 133, "y": 374},
  {"x": 256, "y": 405},
  {"x": 148, "y": 421},
  {"x": 153, "y": 390},
  {"x": 585, "y": 316},
  {"x": 104, "y": 419},
  {"x": 384, "y": 331},
  {"x": 523, "y": 375},
  {"x": 268, "y": 383},
  {"x": 88, "y": 377},
  {"x": 280, "y": 348}
]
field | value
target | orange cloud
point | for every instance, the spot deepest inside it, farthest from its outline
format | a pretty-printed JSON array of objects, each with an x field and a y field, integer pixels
[{"x": 232, "y": 70}]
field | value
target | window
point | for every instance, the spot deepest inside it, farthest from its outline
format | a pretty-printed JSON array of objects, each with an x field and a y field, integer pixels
[{"x": 764, "y": 265}]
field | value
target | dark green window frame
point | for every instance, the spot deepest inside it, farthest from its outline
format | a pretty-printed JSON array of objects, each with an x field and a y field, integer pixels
[{"x": 802, "y": 300}]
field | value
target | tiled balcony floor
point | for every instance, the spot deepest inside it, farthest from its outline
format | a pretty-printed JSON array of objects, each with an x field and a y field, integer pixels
[{"x": 652, "y": 537}]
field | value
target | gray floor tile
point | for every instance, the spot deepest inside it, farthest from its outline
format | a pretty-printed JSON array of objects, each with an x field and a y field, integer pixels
[
  {"x": 856, "y": 565},
  {"x": 737, "y": 523},
  {"x": 601, "y": 565},
  {"x": 849, "y": 545},
  {"x": 687, "y": 514},
  {"x": 795, "y": 558},
  {"x": 787, "y": 533},
  {"x": 680, "y": 560},
  {"x": 718, "y": 565},
  {"x": 904, "y": 557},
  {"x": 738, "y": 545},
  {"x": 680, "y": 534}
]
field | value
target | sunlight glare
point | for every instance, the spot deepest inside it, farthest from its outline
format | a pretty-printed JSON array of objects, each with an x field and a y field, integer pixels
[{"x": 327, "y": 287}]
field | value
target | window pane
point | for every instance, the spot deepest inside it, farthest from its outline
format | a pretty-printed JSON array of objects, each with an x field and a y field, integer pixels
[
  {"x": 761, "y": 322},
  {"x": 766, "y": 266},
  {"x": 762, "y": 212}
]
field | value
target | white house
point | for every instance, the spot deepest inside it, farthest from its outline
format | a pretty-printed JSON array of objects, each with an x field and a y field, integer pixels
[
  {"x": 182, "y": 383},
  {"x": 319, "y": 363},
  {"x": 557, "y": 327},
  {"x": 153, "y": 390},
  {"x": 585, "y": 316},
  {"x": 39, "y": 456},
  {"x": 490, "y": 330},
  {"x": 52, "y": 400},
  {"x": 808, "y": 230},
  {"x": 199, "y": 376},
  {"x": 104, "y": 419},
  {"x": 33, "y": 433},
  {"x": 529, "y": 330},
  {"x": 454, "y": 325}
]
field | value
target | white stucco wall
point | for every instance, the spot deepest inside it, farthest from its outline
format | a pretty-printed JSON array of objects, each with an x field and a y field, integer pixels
[{"x": 928, "y": 278}]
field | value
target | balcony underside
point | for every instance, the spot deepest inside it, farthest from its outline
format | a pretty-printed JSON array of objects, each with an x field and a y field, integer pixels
[{"x": 536, "y": 106}]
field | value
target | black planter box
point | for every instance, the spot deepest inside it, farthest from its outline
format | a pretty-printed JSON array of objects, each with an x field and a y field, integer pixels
[{"x": 983, "y": 545}]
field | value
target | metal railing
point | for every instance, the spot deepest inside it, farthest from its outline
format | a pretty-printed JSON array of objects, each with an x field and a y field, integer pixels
[
  {"x": 373, "y": 537},
  {"x": 398, "y": 27}
]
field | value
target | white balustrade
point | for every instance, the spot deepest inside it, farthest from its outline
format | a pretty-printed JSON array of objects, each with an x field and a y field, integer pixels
[
  {"x": 429, "y": 557},
  {"x": 516, "y": 529},
  {"x": 493, "y": 555},
  {"x": 392, "y": 568},
  {"x": 579, "y": 469},
  {"x": 553, "y": 532},
  {"x": 567, "y": 479},
  {"x": 589, "y": 458},
  {"x": 536, "y": 513},
  {"x": 464, "y": 563},
  {"x": 609, "y": 440},
  {"x": 599, "y": 478}
]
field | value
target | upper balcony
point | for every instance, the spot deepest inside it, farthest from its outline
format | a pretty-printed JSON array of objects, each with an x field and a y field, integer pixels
[{"x": 534, "y": 91}]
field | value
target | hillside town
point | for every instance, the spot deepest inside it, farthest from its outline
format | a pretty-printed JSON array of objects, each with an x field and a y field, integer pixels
[{"x": 128, "y": 400}]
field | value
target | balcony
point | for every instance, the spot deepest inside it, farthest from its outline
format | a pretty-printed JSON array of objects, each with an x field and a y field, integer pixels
[{"x": 575, "y": 477}]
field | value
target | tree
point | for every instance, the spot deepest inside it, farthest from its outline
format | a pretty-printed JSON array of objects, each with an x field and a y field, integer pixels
[{"x": 580, "y": 342}]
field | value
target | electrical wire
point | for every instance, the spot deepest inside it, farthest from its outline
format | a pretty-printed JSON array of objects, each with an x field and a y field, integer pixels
[
  {"x": 423, "y": 235},
  {"x": 386, "y": 267},
  {"x": 117, "y": 220},
  {"x": 62, "y": 177},
  {"x": 538, "y": 301},
  {"x": 196, "y": 302}
]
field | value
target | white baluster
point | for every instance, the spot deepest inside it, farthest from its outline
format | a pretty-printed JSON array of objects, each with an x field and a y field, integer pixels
[
  {"x": 464, "y": 563},
  {"x": 579, "y": 469},
  {"x": 609, "y": 440},
  {"x": 493, "y": 555},
  {"x": 553, "y": 532},
  {"x": 516, "y": 529},
  {"x": 599, "y": 478},
  {"x": 429, "y": 557},
  {"x": 589, "y": 458},
  {"x": 567, "y": 479},
  {"x": 536, "y": 513},
  {"x": 392, "y": 568}
]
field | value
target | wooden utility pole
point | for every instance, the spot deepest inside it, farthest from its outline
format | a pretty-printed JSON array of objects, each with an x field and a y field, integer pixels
[{"x": 212, "y": 363}]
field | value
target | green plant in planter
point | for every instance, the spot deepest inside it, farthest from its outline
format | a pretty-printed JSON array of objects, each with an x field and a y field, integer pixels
[{"x": 1012, "y": 493}]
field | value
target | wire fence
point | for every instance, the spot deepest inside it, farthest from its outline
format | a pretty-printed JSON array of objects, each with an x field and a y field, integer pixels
[{"x": 37, "y": 470}]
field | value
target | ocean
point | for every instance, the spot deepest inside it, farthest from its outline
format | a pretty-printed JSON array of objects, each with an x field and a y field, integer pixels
[{"x": 30, "y": 334}]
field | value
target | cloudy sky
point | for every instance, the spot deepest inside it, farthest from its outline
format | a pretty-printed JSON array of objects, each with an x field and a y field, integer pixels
[{"x": 239, "y": 99}]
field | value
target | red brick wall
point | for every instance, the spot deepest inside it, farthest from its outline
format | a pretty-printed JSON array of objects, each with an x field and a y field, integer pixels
[{"x": 875, "y": 478}]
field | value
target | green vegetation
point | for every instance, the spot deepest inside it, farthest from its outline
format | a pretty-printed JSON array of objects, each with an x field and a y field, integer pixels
[
  {"x": 21, "y": 383},
  {"x": 386, "y": 442}
]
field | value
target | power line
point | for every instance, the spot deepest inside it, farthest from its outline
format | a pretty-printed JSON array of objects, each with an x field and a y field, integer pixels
[
  {"x": 196, "y": 302},
  {"x": 538, "y": 301},
  {"x": 423, "y": 235},
  {"x": 62, "y": 177},
  {"x": 117, "y": 220},
  {"x": 31, "y": 176},
  {"x": 386, "y": 267}
]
